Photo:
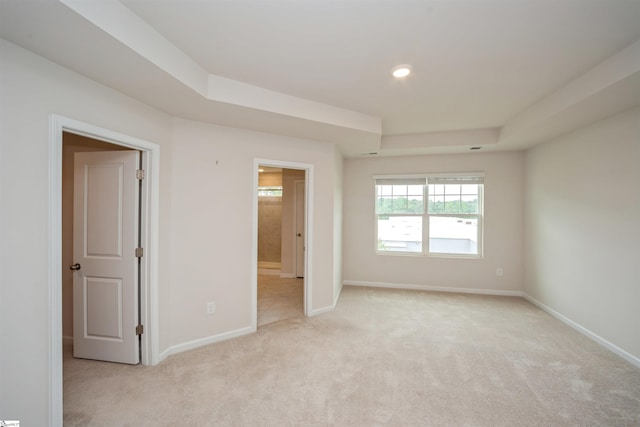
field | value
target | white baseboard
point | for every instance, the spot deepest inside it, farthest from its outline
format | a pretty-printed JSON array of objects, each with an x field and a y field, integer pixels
[
  {"x": 326, "y": 309},
  {"x": 435, "y": 288},
  {"x": 321, "y": 310},
  {"x": 603, "y": 342},
  {"x": 179, "y": 348},
  {"x": 337, "y": 297}
]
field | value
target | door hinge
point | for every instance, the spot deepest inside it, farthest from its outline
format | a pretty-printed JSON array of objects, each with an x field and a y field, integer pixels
[
  {"x": 140, "y": 174},
  {"x": 139, "y": 329},
  {"x": 139, "y": 252}
]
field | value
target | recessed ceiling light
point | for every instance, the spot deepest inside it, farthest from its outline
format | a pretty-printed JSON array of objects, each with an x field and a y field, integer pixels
[
  {"x": 260, "y": 170},
  {"x": 400, "y": 71}
]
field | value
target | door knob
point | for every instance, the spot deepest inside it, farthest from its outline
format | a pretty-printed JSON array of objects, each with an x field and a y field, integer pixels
[
  {"x": 299, "y": 235},
  {"x": 75, "y": 267}
]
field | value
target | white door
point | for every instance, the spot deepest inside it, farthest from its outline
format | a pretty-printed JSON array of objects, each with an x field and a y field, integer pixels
[
  {"x": 105, "y": 236},
  {"x": 299, "y": 218}
]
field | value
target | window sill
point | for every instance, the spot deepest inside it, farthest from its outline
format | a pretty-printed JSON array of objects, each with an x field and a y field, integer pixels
[{"x": 433, "y": 255}]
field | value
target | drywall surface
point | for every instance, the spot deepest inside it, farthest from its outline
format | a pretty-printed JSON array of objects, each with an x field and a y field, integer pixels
[
  {"x": 211, "y": 214},
  {"x": 583, "y": 228},
  {"x": 338, "y": 210},
  {"x": 503, "y": 225},
  {"x": 31, "y": 89},
  {"x": 205, "y": 219}
]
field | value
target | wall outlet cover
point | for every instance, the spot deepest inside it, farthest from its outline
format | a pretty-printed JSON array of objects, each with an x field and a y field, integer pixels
[{"x": 211, "y": 307}]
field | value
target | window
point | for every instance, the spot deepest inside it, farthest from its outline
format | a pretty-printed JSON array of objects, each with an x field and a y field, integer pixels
[
  {"x": 445, "y": 211},
  {"x": 273, "y": 191}
]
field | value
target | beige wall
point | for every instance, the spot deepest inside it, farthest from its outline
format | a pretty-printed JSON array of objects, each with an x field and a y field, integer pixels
[
  {"x": 205, "y": 245},
  {"x": 337, "y": 224},
  {"x": 210, "y": 164},
  {"x": 581, "y": 221},
  {"x": 583, "y": 228},
  {"x": 72, "y": 144},
  {"x": 503, "y": 225},
  {"x": 32, "y": 88}
]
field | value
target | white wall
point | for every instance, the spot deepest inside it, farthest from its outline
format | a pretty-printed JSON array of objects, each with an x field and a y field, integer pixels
[
  {"x": 205, "y": 218},
  {"x": 212, "y": 218},
  {"x": 32, "y": 88},
  {"x": 337, "y": 226},
  {"x": 583, "y": 228},
  {"x": 503, "y": 225}
]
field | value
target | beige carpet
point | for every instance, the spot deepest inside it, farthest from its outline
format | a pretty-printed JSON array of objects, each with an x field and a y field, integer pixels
[{"x": 383, "y": 357}]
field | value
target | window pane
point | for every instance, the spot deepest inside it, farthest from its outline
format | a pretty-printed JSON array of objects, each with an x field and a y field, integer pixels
[
  {"x": 452, "y": 204},
  {"x": 416, "y": 204},
  {"x": 451, "y": 235},
  {"x": 399, "y": 190},
  {"x": 436, "y": 204},
  {"x": 469, "y": 189},
  {"x": 385, "y": 190},
  {"x": 469, "y": 204},
  {"x": 384, "y": 205},
  {"x": 400, "y": 233},
  {"x": 400, "y": 204},
  {"x": 452, "y": 189},
  {"x": 414, "y": 190},
  {"x": 399, "y": 199},
  {"x": 436, "y": 189}
]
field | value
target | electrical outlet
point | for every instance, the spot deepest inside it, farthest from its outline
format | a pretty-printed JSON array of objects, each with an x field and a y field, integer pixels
[
  {"x": 499, "y": 272},
  {"x": 211, "y": 307}
]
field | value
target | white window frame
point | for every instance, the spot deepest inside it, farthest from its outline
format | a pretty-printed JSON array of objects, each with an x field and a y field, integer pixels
[{"x": 442, "y": 178}]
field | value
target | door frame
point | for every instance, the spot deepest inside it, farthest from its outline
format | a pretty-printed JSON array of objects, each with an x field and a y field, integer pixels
[
  {"x": 308, "y": 283},
  {"x": 149, "y": 230}
]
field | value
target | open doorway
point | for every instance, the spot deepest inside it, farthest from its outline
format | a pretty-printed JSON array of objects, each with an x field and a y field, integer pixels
[
  {"x": 149, "y": 237},
  {"x": 281, "y": 236},
  {"x": 282, "y": 222}
]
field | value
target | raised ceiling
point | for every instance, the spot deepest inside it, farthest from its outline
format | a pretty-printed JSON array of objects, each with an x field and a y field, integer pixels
[{"x": 501, "y": 74}]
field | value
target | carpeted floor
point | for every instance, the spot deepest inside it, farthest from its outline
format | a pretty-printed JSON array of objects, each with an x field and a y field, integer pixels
[{"x": 383, "y": 357}]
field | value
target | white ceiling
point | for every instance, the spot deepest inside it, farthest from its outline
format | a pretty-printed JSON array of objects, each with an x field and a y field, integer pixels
[{"x": 501, "y": 74}]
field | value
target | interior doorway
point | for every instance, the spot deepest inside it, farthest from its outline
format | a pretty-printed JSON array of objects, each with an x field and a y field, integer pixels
[
  {"x": 148, "y": 297},
  {"x": 281, "y": 238},
  {"x": 101, "y": 223},
  {"x": 282, "y": 220}
]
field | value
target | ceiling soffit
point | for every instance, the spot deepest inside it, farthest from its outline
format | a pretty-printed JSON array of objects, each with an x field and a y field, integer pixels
[{"x": 194, "y": 93}]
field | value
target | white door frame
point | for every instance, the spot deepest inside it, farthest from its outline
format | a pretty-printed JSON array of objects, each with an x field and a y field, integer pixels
[
  {"x": 308, "y": 168},
  {"x": 150, "y": 232}
]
